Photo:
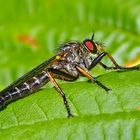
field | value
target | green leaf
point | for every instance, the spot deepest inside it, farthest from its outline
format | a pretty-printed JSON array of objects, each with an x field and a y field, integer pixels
[
  {"x": 96, "y": 114},
  {"x": 116, "y": 24}
]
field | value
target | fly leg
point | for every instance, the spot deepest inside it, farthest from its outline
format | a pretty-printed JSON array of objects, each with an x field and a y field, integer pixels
[
  {"x": 119, "y": 68},
  {"x": 85, "y": 73},
  {"x": 61, "y": 93},
  {"x": 116, "y": 65},
  {"x": 63, "y": 75},
  {"x": 107, "y": 67},
  {"x": 97, "y": 60}
]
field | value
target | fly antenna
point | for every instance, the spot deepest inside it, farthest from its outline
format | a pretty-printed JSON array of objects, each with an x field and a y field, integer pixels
[{"x": 92, "y": 37}]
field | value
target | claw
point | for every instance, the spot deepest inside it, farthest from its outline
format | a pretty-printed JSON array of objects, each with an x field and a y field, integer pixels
[
  {"x": 108, "y": 90},
  {"x": 70, "y": 115}
]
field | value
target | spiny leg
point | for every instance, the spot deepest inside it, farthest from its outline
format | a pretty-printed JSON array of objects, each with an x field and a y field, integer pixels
[
  {"x": 107, "y": 67},
  {"x": 119, "y": 68},
  {"x": 97, "y": 60},
  {"x": 85, "y": 73},
  {"x": 116, "y": 65},
  {"x": 61, "y": 93}
]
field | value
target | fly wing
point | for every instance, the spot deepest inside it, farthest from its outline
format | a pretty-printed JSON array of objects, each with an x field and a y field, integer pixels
[{"x": 31, "y": 73}]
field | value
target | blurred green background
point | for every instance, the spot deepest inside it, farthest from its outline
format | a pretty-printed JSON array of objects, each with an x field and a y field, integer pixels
[{"x": 31, "y": 31}]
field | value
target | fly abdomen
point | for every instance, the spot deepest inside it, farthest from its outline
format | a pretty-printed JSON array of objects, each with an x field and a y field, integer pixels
[
  {"x": 2, "y": 102},
  {"x": 23, "y": 89},
  {"x": 37, "y": 81},
  {"x": 12, "y": 94}
]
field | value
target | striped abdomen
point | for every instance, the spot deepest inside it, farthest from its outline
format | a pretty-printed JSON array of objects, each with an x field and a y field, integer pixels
[{"x": 24, "y": 88}]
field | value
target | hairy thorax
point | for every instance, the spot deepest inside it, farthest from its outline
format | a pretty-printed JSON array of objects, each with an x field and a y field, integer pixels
[{"x": 69, "y": 56}]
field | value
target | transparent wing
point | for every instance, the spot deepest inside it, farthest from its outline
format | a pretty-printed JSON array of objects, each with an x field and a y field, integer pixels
[{"x": 31, "y": 73}]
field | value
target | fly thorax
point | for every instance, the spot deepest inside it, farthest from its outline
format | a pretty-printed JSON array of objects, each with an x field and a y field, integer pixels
[{"x": 70, "y": 58}]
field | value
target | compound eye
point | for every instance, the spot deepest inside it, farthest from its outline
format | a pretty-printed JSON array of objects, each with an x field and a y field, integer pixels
[{"x": 90, "y": 45}]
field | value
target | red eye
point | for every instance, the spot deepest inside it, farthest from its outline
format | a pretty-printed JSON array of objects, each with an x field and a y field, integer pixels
[{"x": 89, "y": 45}]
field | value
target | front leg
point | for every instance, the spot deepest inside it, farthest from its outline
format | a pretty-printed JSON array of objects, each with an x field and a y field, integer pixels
[
  {"x": 119, "y": 68},
  {"x": 97, "y": 60},
  {"x": 116, "y": 65}
]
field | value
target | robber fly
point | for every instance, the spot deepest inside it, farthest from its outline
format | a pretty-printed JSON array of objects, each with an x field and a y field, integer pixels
[{"x": 73, "y": 59}]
